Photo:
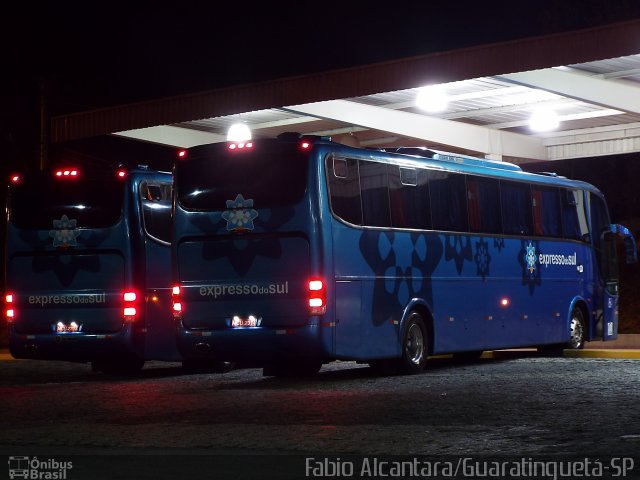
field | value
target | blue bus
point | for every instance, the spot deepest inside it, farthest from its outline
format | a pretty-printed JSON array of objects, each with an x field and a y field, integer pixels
[
  {"x": 295, "y": 251},
  {"x": 88, "y": 266}
]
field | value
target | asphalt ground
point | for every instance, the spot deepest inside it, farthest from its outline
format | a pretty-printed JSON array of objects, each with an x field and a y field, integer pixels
[{"x": 625, "y": 346}]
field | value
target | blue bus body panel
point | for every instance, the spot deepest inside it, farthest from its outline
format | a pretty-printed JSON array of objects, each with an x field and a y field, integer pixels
[{"x": 483, "y": 292}]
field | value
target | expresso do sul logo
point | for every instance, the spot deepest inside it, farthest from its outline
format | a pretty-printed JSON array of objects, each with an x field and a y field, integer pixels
[{"x": 38, "y": 469}]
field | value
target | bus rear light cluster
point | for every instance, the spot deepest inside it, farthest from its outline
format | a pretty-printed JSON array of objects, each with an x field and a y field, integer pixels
[
  {"x": 317, "y": 297},
  {"x": 129, "y": 310},
  {"x": 176, "y": 300},
  {"x": 10, "y": 312}
]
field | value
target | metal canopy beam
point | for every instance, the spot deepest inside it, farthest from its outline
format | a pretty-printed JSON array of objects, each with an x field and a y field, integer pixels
[
  {"x": 591, "y": 89},
  {"x": 490, "y": 142}
]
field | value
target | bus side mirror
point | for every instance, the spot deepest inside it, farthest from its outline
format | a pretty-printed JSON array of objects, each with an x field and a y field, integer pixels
[{"x": 630, "y": 250}]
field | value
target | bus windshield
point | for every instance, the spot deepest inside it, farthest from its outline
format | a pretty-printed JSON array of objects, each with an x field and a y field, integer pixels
[
  {"x": 93, "y": 202},
  {"x": 272, "y": 174}
]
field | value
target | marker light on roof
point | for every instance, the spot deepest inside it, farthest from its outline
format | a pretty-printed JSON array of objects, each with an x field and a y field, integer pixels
[
  {"x": 66, "y": 173},
  {"x": 241, "y": 146}
]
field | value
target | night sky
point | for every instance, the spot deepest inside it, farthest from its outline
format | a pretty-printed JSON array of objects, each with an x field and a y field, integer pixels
[{"x": 89, "y": 55}]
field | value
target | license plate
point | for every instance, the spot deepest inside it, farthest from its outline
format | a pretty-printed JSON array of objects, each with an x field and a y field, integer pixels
[
  {"x": 72, "y": 327},
  {"x": 245, "y": 322}
]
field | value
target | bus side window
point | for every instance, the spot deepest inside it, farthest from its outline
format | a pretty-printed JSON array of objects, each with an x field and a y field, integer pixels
[
  {"x": 599, "y": 218},
  {"x": 574, "y": 220},
  {"x": 448, "y": 201},
  {"x": 483, "y": 204},
  {"x": 409, "y": 198},
  {"x": 546, "y": 211},
  {"x": 374, "y": 189},
  {"x": 156, "y": 210},
  {"x": 515, "y": 198},
  {"x": 344, "y": 188}
]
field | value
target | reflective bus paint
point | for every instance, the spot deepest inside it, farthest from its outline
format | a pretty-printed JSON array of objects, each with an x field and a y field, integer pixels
[{"x": 479, "y": 254}]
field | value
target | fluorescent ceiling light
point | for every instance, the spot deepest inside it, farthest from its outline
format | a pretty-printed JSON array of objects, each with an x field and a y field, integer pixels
[
  {"x": 544, "y": 120},
  {"x": 432, "y": 99}
]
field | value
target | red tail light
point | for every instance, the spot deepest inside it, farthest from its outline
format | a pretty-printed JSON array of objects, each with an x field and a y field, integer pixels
[
  {"x": 182, "y": 154},
  {"x": 121, "y": 173},
  {"x": 130, "y": 309},
  {"x": 176, "y": 300},
  {"x": 15, "y": 178},
  {"x": 10, "y": 312},
  {"x": 317, "y": 297}
]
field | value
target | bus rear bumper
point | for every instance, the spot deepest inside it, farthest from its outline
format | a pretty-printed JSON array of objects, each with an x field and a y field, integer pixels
[
  {"x": 73, "y": 347},
  {"x": 256, "y": 345}
]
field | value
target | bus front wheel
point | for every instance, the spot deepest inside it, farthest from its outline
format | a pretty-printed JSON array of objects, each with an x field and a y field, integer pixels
[
  {"x": 577, "y": 330},
  {"x": 415, "y": 345}
]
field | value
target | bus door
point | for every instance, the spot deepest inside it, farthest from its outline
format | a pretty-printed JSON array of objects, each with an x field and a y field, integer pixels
[{"x": 610, "y": 277}]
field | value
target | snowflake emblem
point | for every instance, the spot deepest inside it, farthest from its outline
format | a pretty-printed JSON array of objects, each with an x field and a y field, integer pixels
[
  {"x": 482, "y": 258},
  {"x": 64, "y": 232},
  {"x": 530, "y": 257},
  {"x": 240, "y": 214}
]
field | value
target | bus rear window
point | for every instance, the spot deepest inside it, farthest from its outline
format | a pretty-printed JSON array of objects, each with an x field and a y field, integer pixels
[
  {"x": 271, "y": 174},
  {"x": 93, "y": 203}
]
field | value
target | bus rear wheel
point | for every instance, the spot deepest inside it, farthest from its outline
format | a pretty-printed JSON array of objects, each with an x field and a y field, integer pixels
[{"x": 415, "y": 345}]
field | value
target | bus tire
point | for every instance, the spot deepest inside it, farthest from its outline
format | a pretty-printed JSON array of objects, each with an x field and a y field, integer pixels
[
  {"x": 577, "y": 330},
  {"x": 415, "y": 345}
]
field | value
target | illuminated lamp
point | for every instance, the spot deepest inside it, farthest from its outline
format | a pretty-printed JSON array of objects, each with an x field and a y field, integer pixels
[
  {"x": 432, "y": 99},
  {"x": 239, "y": 132},
  {"x": 544, "y": 120}
]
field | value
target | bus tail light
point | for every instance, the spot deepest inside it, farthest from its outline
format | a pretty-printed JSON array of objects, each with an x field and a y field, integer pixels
[
  {"x": 10, "y": 311},
  {"x": 317, "y": 297},
  {"x": 130, "y": 309},
  {"x": 176, "y": 300}
]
